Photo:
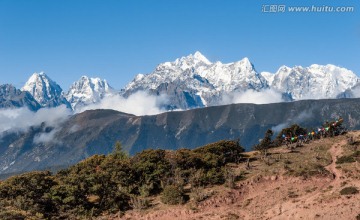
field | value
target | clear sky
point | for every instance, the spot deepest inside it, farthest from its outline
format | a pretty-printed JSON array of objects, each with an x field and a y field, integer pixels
[{"x": 116, "y": 39}]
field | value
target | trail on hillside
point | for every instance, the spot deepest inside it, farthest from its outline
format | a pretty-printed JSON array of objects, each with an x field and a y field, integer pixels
[
  {"x": 335, "y": 151},
  {"x": 290, "y": 209},
  {"x": 278, "y": 198}
]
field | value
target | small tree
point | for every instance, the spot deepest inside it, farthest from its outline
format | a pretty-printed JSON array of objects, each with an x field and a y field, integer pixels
[
  {"x": 172, "y": 195},
  {"x": 118, "y": 152},
  {"x": 265, "y": 143}
]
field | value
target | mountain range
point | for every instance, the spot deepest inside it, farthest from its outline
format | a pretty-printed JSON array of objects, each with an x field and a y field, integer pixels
[{"x": 193, "y": 81}]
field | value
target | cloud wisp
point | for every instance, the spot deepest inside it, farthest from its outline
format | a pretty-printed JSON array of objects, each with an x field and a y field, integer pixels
[{"x": 298, "y": 119}]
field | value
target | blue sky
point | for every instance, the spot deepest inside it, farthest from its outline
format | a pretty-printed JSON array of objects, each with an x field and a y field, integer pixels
[{"x": 116, "y": 39}]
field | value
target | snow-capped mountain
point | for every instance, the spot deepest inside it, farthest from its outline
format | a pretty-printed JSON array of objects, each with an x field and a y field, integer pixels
[
  {"x": 194, "y": 81},
  {"x": 88, "y": 91},
  {"x": 313, "y": 82},
  {"x": 45, "y": 91}
]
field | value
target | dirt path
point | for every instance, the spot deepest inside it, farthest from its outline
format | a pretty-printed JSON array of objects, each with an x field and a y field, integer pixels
[
  {"x": 335, "y": 151},
  {"x": 291, "y": 210}
]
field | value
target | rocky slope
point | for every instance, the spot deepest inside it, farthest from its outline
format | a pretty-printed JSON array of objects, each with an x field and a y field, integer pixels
[{"x": 10, "y": 97}]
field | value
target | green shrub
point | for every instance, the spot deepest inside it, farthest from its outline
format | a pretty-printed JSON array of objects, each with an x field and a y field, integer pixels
[
  {"x": 11, "y": 215},
  {"x": 108, "y": 184},
  {"x": 151, "y": 167},
  {"x": 172, "y": 195},
  {"x": 310, "y": 170},
  {"x": 187, "y": 159},
  {"x": 349, "y": 191},
  {"x": 345, "y": 159},
  {"x": 29, "y": 192},
  {"x": 220, "y": 153},
  {"x": 356, "y": 153}
]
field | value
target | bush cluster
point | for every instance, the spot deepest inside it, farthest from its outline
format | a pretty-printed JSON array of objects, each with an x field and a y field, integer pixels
[
  {"x": 115, "y": 183},
  {"x": 349, "y": 190},
  {"x": 349, "y": 158},
  {"x": 173, "y": 195}
]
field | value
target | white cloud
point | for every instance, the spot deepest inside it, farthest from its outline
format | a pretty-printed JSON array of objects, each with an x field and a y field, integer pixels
[
  {"x": 298, "y": 119},
  {"x": 139, "y": 103},
  {"x": 251, "y": 96},
  {"x": 22, "y": 118},
  {"x": 45, "y": 137},
  {"x": 356, "y": 92},
  {"x": 74, "y": 128},
  {"x": 279, "y": 127}
]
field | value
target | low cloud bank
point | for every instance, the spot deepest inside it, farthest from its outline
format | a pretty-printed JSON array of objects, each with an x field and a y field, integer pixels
[
  {"x": 139, "y": 103},
  {"x": 22, "y": 118},
  {"x": 252, "y": 96}
]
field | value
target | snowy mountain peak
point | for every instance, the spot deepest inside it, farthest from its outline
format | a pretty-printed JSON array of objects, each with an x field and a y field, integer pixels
[
  {"x": 87, "y": 91},
  {"x": 245, "y": 61},
  {"x": 284, "y": 69},
  {"x": 36, "y": 77},
  {"x": 245, "y": 64},
  {"x": 199, "y": 56},
  {"x": 194, "y": 81},
  {"x": 44, "y": 90},
  {"x": 192, "y": 60}
]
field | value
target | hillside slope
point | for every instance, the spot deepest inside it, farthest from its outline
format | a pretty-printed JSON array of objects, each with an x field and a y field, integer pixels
[
  {"x": 284, "y": 186},
  {"x": 319, "y": 179},
  {"x": 95, "y": 132}
]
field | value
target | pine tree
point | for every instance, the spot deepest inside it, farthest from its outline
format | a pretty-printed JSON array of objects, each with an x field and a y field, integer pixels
[{"x": 118, "y": 152}]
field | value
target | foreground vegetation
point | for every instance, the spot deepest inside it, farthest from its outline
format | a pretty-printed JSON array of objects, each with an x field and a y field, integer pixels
[{"x": 115, "y": 183}]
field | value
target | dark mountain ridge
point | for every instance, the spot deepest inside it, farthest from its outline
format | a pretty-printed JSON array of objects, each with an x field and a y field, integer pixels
[
  {"x": 10, "y": 98},
  {"x": 96, "y": 131}
]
